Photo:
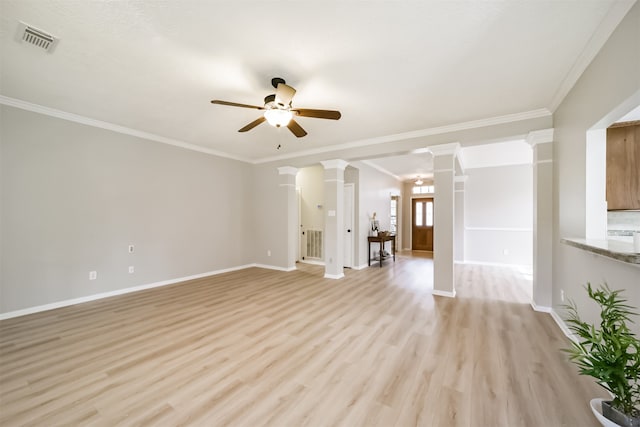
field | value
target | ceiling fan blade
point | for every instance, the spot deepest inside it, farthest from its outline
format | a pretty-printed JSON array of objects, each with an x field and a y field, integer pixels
[
  {"x": 253, "y": 124},
  {"x": 284, "y": 94},
  {"x": 235, "y": 104},
  {"x": 296, "y": 129},
  {"x": 319, "y": 114}
]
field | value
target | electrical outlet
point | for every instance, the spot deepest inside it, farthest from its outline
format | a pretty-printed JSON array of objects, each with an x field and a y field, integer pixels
[
  {"x": 93, "y": 275},
  {"x": 131, "y": 249},
  {"x": 131, "y": 269},
  {"x": 505, "y": 251},
  {"x": 562, "y": 295},
  {"x": 269, "y": 253}
]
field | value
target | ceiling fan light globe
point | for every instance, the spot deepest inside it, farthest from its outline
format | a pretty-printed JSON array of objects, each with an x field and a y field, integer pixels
[{"x": 277, "y": 117}]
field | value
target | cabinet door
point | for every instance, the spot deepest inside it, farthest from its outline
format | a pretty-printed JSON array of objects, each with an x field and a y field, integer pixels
[{"x": 623, "y": 167}]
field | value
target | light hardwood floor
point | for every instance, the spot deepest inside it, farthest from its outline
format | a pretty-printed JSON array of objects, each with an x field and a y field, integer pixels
[{"x": 260, "y": 347}]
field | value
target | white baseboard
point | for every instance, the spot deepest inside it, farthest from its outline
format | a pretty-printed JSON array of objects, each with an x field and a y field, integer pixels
[
  {"x": 563, "y": 326},
  {"x": 273, "y": 267},
  {"x": 447, "y": 294},
  {"x": 540, "y": 308},
  {"x": 312, "y": 262},
  {"x": 360, "y": 267},
  {"x": 495, "y": 264},
  {"x": 80, "y": 300},
  {"x": 334, "y": 276}
]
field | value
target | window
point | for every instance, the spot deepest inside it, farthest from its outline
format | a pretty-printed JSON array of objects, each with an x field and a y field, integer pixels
[
  {"x": 423, "y": 189},
  {"x": 393, "y": 215},
  {"x": 419, "y": 214},
  {"x": 429, "y": 214}
]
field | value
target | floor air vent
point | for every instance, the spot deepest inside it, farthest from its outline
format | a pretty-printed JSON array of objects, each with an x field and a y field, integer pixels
[
  {"x": 36, "y": 37},
  {"x": 314, "y": 244}
]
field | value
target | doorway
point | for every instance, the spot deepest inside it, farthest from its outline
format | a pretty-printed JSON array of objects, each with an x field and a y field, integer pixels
[{"x": 422, "y": 224}]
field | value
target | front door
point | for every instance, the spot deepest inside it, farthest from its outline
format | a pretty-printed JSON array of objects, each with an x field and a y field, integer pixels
[{"x": 422, "y": 225}]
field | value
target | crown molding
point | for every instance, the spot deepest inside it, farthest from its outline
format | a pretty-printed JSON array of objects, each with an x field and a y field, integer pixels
[
  {"x": 473, "y": 124},
  {"x": 445, "y": 149},
  {"x": 599, "y": 37},
  {"x": 76, "y": 118},
  {"x": 381, "y": 169},
  {"x": 335, "y": 164},
  {"x": 544, "y": 136},
  {"x": 287, "y": 170},
  {"x": 491, "y": 121}
]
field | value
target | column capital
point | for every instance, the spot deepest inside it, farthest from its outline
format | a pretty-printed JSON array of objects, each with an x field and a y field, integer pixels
[
  {"x": 334, "y": 164},
  {"x": 445, "y": 149},
  {"x": 287, "y": 170},
  {"x": 461, "y": 178},
  {"x": 544, "y": 136}
]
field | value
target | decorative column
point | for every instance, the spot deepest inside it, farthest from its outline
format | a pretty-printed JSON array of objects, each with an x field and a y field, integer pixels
[
  {"x": 444, "y": 157},
  {"x": 459, "y": 183},
  {"x": 334, "y": 219},
  {"x": 288, "y": 186},
  {"x": 542, "y": 143}
]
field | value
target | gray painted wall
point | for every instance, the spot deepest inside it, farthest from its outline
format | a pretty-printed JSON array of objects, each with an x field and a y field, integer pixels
[
  {"x": 499, "y": 215},
  {"x": 610, "y": 81},
  {"x": 74, "y": 197}
]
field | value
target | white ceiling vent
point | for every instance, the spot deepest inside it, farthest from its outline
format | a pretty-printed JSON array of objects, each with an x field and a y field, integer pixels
[{"x": 43, "y": 40}]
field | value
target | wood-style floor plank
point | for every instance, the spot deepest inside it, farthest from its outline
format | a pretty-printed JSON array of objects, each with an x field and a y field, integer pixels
[{"x": 260, "y": 347}]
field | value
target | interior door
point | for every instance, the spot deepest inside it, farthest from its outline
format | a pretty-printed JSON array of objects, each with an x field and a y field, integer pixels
[
  {"x": 422, "y": 224},
  {"x": 348, "y": 225}
]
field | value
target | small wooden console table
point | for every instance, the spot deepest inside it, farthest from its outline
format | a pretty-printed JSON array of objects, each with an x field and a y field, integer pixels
[{"x": 381, "y": 241}]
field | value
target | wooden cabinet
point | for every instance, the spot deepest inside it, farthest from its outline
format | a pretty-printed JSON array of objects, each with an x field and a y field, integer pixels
[{"x": 623, "y": 166}]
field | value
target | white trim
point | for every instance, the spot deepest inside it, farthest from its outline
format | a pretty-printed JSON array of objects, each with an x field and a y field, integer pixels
[
  {"x": 563, "y": 326},
  {"x": 599, "y": 37},
  {"x": 360, "y": 267},
  {"x": 287, "y": 170},
  {"x": 461, "y": 178},
  {"x": 458, "y": 191},
  {"x": 447, "y": 294},
  {"x": 537, "y": 162},
  {"x": 286, "y": 185},
  {"x": 274, "y": 267},
  {"x": 450, "y": 149},
  {"x": 334, "y": 164},
  {"x": 498, "y": 229},
  {"x": 537, "y": 137},
  {"x": 497, "y": 264},
  {"x": 380, "y": 169},
  {"x": 102, "y": 295},
  {"x": 443, "y": 170},
  {"x": 334, "y": 180},
  {"x": 473, "y": 124},
  {"x": 540, "y": 308},
  {"x": 52, "y": 112},
  {"x": 333, "y": 276},
  {"x": 312, "y": 262},
  {"x": 527, "y": 163}
]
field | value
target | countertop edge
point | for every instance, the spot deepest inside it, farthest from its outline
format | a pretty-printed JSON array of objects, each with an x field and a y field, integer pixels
[{"x": 584, "y": 244}]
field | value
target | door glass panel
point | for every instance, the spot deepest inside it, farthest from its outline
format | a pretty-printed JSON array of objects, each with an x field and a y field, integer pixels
[
  {"x": 429, "y": 214},
  {"x": 419, "y": 214}
]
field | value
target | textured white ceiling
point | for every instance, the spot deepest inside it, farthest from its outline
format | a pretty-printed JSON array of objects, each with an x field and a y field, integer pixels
[{"x": 388, "y": 66}]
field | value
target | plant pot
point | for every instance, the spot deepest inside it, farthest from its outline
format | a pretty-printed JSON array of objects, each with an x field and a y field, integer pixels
[{"x": 618, "y": 417}]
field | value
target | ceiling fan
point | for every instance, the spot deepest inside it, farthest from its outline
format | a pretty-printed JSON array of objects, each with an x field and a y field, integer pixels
[{"x": 278, "y": 111}]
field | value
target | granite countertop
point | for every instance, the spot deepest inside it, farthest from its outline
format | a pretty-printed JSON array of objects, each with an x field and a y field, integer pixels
[{"x": 619, "y": 250}]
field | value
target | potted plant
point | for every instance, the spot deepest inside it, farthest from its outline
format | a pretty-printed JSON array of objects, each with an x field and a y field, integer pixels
[{"x": 610, "y": 353}]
